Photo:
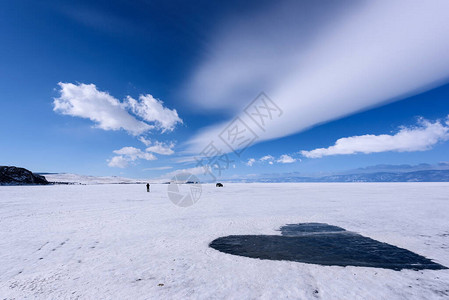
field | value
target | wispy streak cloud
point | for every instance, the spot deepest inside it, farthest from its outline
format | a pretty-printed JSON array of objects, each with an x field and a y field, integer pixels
[{"x": 377, "y": 52}]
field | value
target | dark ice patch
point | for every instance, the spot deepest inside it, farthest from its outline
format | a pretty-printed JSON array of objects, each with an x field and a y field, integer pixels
[
  {"x": 323, "y": 244},
  {"x": 308, "y": 228}
]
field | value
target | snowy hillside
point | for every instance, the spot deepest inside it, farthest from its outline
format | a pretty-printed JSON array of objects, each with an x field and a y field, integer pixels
[
  {"x": 120, "y": 242},
  {"x": 83, "y": 179}
]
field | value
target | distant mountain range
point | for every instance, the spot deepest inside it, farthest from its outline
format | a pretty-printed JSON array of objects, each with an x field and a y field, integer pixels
[
  {"x": 378, "y": 173},
  {"x": 399, "y": 168},
  {"x": 416, "y": 176}
]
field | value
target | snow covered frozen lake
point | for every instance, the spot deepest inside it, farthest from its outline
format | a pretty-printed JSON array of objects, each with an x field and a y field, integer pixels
[{"x": 120, "y": 242}]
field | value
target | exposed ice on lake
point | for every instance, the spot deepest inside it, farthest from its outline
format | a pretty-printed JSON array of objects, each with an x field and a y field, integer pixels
[{"x": 323, "y": 244}]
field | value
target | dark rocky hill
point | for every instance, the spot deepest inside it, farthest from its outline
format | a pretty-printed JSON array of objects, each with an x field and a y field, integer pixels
[{"x": 10, "y": 175}]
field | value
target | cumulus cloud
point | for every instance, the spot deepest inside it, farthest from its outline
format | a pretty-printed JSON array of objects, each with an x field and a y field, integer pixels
[
  {"x": 266, "y": 157},
  {"x": 158, "y": 147},
  {"x": 153, "y": 110},
  {"x": 108, "y": 113},
  {"x": 161, "y": 148},
  {"x": 126, "y": 155},
  {"x": 338, "y": 58},
  {"x": 250, "y": 162},
  {"x": 118, "y": 162},
  {"x": 145, "y": 141},
  {"x": 286, "y": 159},
  {"x": 195, "y": 171},
  {"x": 85, "y": 101},
  {"x": 134, "y": 153},
  {"x": 418, "y": 138}
]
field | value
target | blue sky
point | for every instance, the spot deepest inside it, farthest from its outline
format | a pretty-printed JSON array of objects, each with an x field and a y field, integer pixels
[{"x": 139, "y": 89}]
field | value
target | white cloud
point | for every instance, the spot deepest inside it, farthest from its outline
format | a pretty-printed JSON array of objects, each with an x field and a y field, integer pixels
[
  {"x": 108, "y": 113},
  {"x": 195, "y": 171},
  {"x": 153, "y": 110},
  {"x": 161, "y": 148},
  {"x": 419, "y": 138},
  {"x": 126, "y": 155},
  {"x": 158, "y": 147},
  {"x": 270, "y": 160},
  {"x": 145, "y": 141},
  {"x": 158, "y": 168},
  {"x": 286, "y": 159},
  {"x": 321, "y": 66},
  {"x": 118, "y": 162},
  {"x": 266, "y": 157},
  {"x": 250, "y": 162},
  {"x": 186, "y": 159},
  {"x": 134, "y": 153}
]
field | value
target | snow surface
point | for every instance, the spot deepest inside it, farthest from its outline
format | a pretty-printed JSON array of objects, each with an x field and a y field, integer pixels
[{"x": 120, "y": 242}]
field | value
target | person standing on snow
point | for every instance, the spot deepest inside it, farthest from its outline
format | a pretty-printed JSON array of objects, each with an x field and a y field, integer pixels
[{"x": 148, "y": 187}]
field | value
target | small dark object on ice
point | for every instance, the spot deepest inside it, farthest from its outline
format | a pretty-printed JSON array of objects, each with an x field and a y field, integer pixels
[
  {"x": 160, "y": 284},
  {"x": 148, "y": 187},
  {"x": 219, "y": 184}
]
